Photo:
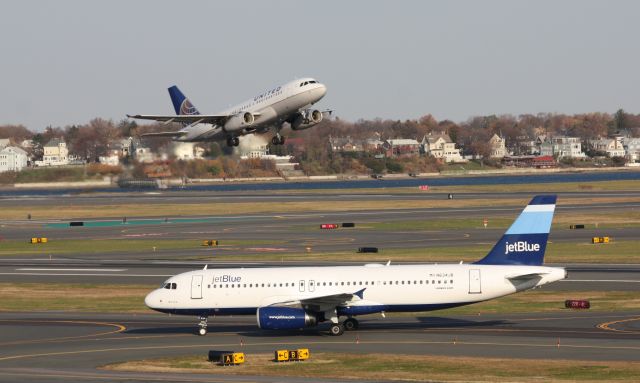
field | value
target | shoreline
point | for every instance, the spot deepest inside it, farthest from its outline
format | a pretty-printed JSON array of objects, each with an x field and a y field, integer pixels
[{"x": 177, "y": 182}]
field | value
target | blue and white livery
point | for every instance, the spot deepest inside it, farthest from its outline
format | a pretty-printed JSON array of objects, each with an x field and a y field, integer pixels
[
  {"x": 285, "y": 298},
  {"x": 270, "y": 110}
]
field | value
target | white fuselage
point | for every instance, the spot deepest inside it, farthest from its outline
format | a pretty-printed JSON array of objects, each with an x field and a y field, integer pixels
[
  {"x": 386, "y": 288},
  {"x": 271, "y": 108}
]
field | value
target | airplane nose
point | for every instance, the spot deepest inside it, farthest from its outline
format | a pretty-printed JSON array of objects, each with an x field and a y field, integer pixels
[
  {"x": 150, "y": 300},
  {"x": 322, "y": 90}
]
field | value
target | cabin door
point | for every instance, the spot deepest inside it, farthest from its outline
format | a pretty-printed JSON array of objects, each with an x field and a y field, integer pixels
[
  {"x": 196, "y": 287},
  {"x": 474, "y": 281}
]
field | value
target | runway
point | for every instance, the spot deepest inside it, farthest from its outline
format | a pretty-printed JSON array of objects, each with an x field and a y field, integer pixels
[
  {"x": 67, "y": 346},
  {"x": 91, "y": 341}
]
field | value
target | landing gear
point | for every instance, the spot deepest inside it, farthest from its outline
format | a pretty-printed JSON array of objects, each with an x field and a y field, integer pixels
[
  {"x": 278, "y": 139},
  {"x": 336, "y": 329},
  {"x": 233, "y": 141},
  {"x": 351, "y": 324},
  {"x": 202, "y": 326}
]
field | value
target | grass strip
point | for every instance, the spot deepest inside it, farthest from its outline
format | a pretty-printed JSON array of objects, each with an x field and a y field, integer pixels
[{"x": 420, "y": 368}]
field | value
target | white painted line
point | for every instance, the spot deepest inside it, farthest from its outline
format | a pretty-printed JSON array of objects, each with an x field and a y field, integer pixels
[
  {"x": 75, "y": 269},
  {"x": 601, "y": 280},
  {"x": 91, "y": 275}
]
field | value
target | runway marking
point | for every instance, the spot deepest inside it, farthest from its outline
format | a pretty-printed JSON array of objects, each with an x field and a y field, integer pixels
[
  {"x": 90, "y": 275},
  {"x": 601, "y": 280},
  {"x": 607, "y": 325},
  {"x": 75, "y": 269},
  {"x": 119, "y": 328}
]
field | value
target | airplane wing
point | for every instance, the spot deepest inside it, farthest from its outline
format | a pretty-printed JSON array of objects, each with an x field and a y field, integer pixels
[
  {"x": 322, "y": 302},
  {"x": 213, "y": 119}
]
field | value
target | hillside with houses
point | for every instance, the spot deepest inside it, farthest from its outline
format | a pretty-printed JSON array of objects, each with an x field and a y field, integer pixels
[{"x": 104, "y": 148}]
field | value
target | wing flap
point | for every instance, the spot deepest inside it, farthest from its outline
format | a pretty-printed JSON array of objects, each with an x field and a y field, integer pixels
[{"x": 321, "y": 301}]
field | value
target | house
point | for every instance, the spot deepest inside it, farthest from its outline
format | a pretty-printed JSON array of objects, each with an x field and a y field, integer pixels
[
  {"x": 530, "y": 161},
  {"x": 569, "y": 147},
  {"x": 440, "y": 146},
  {"x": 345, "y": 144},
  {"x": 401, "y": 147},
  {"x": 632, "y": 148},
  {"x": 55, "y": 153},
  {"x": 498, "y": 147},
  {"x": 612, "y": 147},
  {"x": 4, "y": 142},
  {"x": 187, "y": 150},
  {"x": 12, "y": 159}
]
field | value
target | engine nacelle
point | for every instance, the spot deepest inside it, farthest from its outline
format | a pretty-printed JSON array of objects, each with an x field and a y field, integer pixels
[
  {"x": 285, "y": 318},
  {"x": 306, "y": 119},
  {"x": 239, "y": 121}
]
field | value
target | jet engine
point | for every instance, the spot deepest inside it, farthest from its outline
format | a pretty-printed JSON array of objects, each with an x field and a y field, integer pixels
[
  {"x": 239, "y": 121},
  {"x": 285, "y": 318},
  {"x": 306, "y": 119}
]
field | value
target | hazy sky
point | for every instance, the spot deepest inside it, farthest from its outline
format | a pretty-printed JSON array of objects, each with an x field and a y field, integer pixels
[{"x": 65, "y": 62}]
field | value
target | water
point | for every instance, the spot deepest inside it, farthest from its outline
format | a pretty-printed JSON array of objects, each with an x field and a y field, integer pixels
[{"x": 357, "y": 184}]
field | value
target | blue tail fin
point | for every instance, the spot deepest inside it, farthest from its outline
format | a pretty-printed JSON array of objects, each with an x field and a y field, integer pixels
[
  {"x": 526, "y": 240},
  {"x": 181, "y": 104}
]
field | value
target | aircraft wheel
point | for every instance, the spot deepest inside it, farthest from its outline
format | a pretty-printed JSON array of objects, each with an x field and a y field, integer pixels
[
  {"x": 351, "y": 324},
  {"x": 336, "y": 329},
  {"x": 202, "y": 331},
  {"x": 230, "y": 141},
  {"x": 275, "y": 140},
  {"x": 281, "y": 142},
  {"x": 235, "y": 141}
]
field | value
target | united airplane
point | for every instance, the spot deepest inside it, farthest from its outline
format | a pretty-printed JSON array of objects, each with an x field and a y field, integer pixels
[
  {"x": 287, "y": 298},
  {"x": 269, "y": 110}
]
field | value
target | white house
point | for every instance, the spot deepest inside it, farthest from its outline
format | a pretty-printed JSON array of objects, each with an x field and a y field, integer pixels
[
  {"x": 498, "y": 147},
  {"x": 12, "y": 159},
  {"x": 632, "y": 148},
  {"x": 440, "y": 146},
  {"x": 613, "y": 147},
  {"x": 55, "y": 153},
  {"x": 567, "y": 147}
]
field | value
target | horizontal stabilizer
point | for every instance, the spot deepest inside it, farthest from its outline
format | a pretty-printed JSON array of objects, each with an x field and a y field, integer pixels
[
  {"x": 525, "y": 277},
  {"x": 164, "y": 134}
]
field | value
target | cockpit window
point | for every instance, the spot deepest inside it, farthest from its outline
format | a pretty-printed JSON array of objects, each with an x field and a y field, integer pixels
[
  {"x": 166, "y": 286},
  {"x": 312, "y": 82},
  {"x": 174, "y": 286}
]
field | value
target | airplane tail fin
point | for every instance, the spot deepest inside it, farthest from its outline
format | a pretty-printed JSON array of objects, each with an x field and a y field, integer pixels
[
  {"x": 526, "y": 240},
  {"x": 181, "y": 104}
]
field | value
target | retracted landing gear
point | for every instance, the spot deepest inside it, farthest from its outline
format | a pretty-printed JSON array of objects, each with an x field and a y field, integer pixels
[
  {"x": 351, "y": 324},
  {"x": 278, "y": 139},
  {"x": 202, "y": 330},
  {"x": 233, "y": 141}
]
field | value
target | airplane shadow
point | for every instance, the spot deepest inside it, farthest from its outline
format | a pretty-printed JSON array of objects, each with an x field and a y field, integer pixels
[{"x": 250, "y": 330}]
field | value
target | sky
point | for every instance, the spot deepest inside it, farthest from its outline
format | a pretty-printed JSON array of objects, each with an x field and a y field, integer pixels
[{"x": 65, "y": 62}]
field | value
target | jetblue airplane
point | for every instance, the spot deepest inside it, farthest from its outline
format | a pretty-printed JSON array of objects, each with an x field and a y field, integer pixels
[
  {"x": 290, "y": 103},
  {"x": 287, "y": 298}
]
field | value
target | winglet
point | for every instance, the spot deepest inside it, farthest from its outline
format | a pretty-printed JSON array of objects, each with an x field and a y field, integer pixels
[{"x": 360, "y": 293}]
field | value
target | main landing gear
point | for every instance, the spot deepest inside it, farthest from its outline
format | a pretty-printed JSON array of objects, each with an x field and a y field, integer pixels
[
  {"x": 233, "y": 141},
  {"x": 349, "y": 324},
  {"x": 278, "y": 139},
  {"x": 202, "y": 330}
]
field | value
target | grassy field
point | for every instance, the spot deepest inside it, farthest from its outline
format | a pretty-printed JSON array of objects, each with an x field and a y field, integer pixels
[
  {"x": 130, "y": 299},
  {"x": 420, "y": 368}
]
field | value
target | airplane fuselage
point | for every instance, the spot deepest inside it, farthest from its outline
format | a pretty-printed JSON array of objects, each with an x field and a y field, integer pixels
[
  {"x": 271, "y": 108},
  {"x": 384, "y": 288}
]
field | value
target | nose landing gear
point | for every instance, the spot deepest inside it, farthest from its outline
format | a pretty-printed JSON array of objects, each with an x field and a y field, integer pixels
[
  {"x": 233, "y": 141},
  {"x": 278, "y": 139}
]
